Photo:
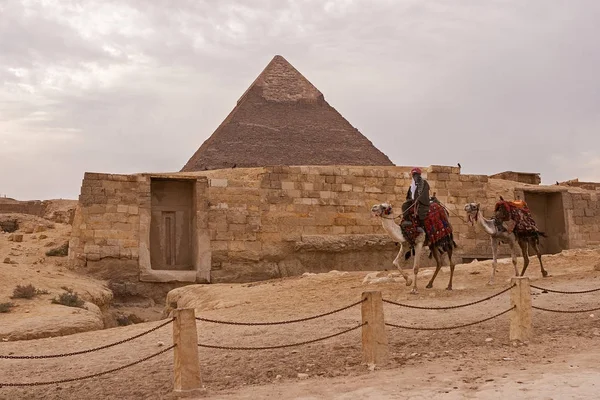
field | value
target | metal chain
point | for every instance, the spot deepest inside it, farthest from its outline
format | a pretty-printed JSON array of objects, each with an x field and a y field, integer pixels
[
  {"x": 565, "y": 311},
  {"x": 291, "y": 321},
  {"x": 449, "y": 307},
  {"x": 210, "y": 346},
  {"x": 89, "y": 350},
  {"x": 564, "y": 292},
  {"x": 88, "y": 376},
  {"x": 414, "y": 328}
]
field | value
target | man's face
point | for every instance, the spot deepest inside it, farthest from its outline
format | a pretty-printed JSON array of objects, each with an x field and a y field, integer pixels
[{"x": 416, "y": 176}]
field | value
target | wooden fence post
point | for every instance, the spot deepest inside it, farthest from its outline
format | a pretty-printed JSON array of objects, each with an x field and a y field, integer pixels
[
  {"x": 186, "y": 365},
  {"x": 374, "y": 338},
  {"x": 520, "y": 317}
]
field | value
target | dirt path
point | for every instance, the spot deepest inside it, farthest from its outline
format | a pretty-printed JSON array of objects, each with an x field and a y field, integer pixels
[
  {"x": 576, "y": 376},
  {"x": 424, "y": 364}
]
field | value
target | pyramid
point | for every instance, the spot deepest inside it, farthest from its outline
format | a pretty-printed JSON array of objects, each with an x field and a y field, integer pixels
[{"x": 282, "y": 119}]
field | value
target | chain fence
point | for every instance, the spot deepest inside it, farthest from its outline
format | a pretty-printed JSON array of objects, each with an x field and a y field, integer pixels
[
  {"x": 565, "y": 311},
  {"x": 87, "y": 376},
  {"x": 415, "y": 328},
  {"x": 291, "y": 321},
  {"x": 564, "y": 291},
  {"x": 449, "y": 307},
  {"x": 282, "y": 346},
  {"x": 74, "y": 353}
]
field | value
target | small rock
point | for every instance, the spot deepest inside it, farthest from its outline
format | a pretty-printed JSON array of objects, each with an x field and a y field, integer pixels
[
  {"x": 507, "y": 359},
  {"x": 27, "y": 311},
  {"x": 160, "y": 344},
  {"x": 42, "y": 237},
  {"x": 371, "y": 367},
  {"x": 278, "y": 377},
  {"x": 591, "y": 315},
  {"x": 488, "y": 340},
  {"x": 17, "y": 237},
  {"x": 7, "y": 260},
  {"x": 294, "y": 351},
  {"x": 302, "y": 376}
]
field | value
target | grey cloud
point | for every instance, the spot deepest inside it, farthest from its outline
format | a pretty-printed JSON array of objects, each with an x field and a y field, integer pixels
[{"x": 495, "y": 85}]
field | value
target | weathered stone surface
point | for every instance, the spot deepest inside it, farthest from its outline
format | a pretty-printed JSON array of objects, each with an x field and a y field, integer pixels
[{"x": 50, "y": 321}]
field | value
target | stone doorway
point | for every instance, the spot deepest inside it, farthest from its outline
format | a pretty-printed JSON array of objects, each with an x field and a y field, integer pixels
[
  {"x": 171, "y": 227},
  {"x": 549, "y": 214}
]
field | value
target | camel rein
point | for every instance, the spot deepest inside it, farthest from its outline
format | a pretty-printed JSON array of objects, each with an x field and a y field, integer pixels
[{"x": 404, "y": 212}]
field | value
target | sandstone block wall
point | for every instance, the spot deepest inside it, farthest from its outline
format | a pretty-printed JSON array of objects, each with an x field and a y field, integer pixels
[
  {"x": 261, "y": 223},
  {"x": 106, "y": 222},
  {"x": 33, "y": 207},
  {"x": 288, "y": 220},
  {"x": 583, "y": 218}
]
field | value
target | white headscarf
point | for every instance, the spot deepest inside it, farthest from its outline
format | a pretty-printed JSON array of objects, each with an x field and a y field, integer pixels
[{"x": 413, "y": 188}]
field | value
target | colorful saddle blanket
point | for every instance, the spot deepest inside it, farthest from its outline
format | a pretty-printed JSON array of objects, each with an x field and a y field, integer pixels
[
  {"x": 518, "y": 212},
  {"x": 438, "y": 230}
]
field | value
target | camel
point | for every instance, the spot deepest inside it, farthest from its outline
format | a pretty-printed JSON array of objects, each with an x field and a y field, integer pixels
[
  {"x": 474, "y": 214},
  {"x": 385, "y": 212}
]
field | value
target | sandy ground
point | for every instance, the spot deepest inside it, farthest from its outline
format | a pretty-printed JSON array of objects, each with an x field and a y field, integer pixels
[{"x": 473, "y": 362}]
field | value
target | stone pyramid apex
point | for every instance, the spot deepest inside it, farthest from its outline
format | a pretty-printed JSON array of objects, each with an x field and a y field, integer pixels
[
  {"x": 283, "y": 119},
  {"x": 281, "y": 82}
]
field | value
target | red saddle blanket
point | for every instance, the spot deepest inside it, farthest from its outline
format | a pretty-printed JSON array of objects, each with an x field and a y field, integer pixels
[
  {"x": 519, "y": 213},
  {"x": 437, "y": 226}
]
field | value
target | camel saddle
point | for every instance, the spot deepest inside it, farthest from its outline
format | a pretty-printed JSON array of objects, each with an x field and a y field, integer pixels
[
  {"x": 437, "y": 230},
  {"x": 516, "y": 217}
]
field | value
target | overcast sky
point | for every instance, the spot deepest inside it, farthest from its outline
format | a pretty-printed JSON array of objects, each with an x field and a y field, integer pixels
[{"x": 130, "y": 86}]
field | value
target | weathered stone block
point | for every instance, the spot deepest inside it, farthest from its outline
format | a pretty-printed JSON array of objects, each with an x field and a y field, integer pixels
[
  {"x": 91, "y": 249},
  {"x": 288, "y": 185},
  {"x": 109, "y": 251},
  {"x": 214, "y": 182}
]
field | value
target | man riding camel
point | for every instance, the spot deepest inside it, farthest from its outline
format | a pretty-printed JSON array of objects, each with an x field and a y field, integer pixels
[{"x": 417, "y": 197}]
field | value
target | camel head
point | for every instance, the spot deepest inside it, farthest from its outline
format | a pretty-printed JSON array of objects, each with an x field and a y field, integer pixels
[
  {"x": 380, "y": 210},
  {"x": 472, "y": 210}
]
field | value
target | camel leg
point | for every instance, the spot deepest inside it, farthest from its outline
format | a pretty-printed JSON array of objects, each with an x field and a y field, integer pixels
[
  {"x": 513, "y": 254},
  {"x": 418, "y": 249},
  {"x": 438, "y": 263},
  {"x": 536, "y": 248},
  {"x": 494, "y": 259},
  {"x": 525, "y": 250},
  {"x": 396, "y": 263},
  {"x": 451, "y": 268}
]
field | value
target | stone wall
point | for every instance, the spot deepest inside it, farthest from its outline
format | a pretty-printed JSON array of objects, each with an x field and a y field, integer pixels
[
  {"x": 33, "y": 207},
  {"x": 261, "y": 223},
  {"x": 106, "y": 221},
  {"x": 583, "y": 218},
  {"x": 282, "y": 221}
]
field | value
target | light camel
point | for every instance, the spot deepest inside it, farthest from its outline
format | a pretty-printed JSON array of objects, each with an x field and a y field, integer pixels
[
  {"x": 386, "y": 213},
  {"x": 474, "y": 214}
]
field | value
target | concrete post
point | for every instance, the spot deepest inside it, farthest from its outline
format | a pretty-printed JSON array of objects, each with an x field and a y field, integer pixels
[
  {"x": 374, "y": 338},
  {"x": 186, "y": 365},
  {"x": 520, "y": 317}
]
